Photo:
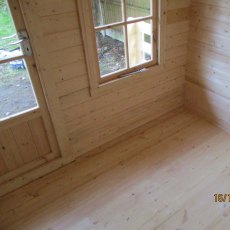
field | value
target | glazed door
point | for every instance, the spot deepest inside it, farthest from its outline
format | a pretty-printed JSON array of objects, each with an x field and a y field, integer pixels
[{"x": 27, "y": 137}]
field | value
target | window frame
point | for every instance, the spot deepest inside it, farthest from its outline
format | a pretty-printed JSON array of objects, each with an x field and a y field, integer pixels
[
  {"x": 89, "y": 41},
  {"x": 125, "y": 23}
]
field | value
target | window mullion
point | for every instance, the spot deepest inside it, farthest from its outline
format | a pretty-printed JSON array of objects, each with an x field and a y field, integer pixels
[
  {"x": 154, "y": 28},
  {"x": 122, "y": 23},
  {"x": 126, "y": 34}
]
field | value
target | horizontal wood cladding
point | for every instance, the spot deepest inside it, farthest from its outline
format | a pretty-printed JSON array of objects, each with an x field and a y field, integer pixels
[
  {"x": 59, "y": 23},
  {"x": 59, "y": 41},
  {"x": 208, "y": 81},
  {"x": 217, "y": 3},
  {"x": 53, "y": 7},
  {"x": 206, "y": 103},
  {"x": 148, "y": 111},
  {"x": 86, "y": 117},
  {"x": 106, "y": 106},
  {"x": 178, "y": 4},
  {"x": 178, "y": 15}
]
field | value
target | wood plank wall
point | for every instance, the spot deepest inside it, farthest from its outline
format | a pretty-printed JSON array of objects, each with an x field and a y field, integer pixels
[
  {"x": 208, "y": 79},
  {"x": 84, "y": 122},
  {"x": 92, "y": 121}
]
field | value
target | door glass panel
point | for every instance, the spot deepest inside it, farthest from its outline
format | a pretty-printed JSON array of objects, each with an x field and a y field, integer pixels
[
  {"x": 16, "y": 92},
  {"x": 8, "y": 34}
]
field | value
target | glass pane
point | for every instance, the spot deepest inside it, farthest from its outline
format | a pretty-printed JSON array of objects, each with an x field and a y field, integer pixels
[
  {"x": 7, "y": 33},
  {"x": 140, "y": 42},
  {"x": 111, "y": 50},
  {"x": 106, "y": 12},
  {"x": 16, "y": 92},
  {"x": 138, "y": 8}
]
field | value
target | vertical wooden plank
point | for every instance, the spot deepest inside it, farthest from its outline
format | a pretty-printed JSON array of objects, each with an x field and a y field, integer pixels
[
  {"x": 25, "y": 142},
  {"x": 40, "y": 136},
  {"x": 124, "y": 11},
  {"x": 9, "y": 150}
]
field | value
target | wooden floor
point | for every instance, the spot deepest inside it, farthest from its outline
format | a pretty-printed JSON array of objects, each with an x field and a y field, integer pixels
[{"x": 165, "y": 177}]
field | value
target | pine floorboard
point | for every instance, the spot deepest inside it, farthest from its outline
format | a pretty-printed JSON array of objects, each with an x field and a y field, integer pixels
[{"x": 162, "y": 176}]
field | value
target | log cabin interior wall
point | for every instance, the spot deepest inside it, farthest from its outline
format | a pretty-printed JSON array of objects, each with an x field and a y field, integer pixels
[
  {"x": 83, "y": 122},
  {"x": 208, "y": 82}
]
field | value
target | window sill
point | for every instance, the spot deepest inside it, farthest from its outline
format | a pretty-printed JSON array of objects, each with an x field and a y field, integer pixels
[{"x": 132, "y": 78}]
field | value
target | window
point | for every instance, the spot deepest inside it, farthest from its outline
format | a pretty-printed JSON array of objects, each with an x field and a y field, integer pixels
[{"x": 121, "y": 37}]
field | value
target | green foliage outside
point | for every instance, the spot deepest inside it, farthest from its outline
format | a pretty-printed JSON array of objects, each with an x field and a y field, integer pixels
[
  {"x": 2, "y": 3},
  {"x": 6, "y": 24},
  {"x": 6, "y": 29}
]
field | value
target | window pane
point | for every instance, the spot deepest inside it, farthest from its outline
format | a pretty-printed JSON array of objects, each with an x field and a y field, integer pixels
[
  {"x": 138, "y": 8},
  {"x": 7, "y": 33},
  {"x": 16, "y": 92},
  {"x": 111, "y": 50},
  {"x": 140, "y": 42},
  {"x": 106, "y": 12}
]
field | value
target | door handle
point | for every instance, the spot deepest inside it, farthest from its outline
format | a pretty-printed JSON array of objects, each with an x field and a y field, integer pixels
[
  {"x": 16, "y": 43},
  {"x": 9, "y": 37},
  {"x": 23, "y": 41}
]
